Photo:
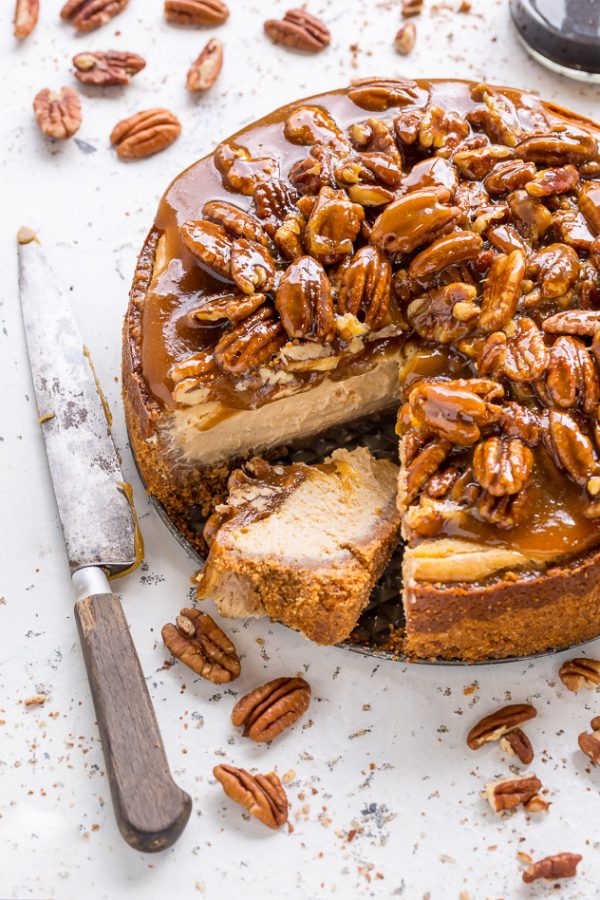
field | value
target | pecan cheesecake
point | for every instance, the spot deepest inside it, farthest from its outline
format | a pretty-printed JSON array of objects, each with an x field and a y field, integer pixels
[
  {"x": 431, "y": 246},
  {"x": 303, "y": 544}
]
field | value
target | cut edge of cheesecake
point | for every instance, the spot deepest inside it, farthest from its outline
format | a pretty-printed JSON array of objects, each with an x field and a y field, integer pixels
[{"x": 309, "y": 554}]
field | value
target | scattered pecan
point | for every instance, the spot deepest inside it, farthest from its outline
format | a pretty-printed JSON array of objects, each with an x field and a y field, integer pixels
[
  {"x": 237, "y": 222},
  {"x": 298, "y": 30},
  {"x": 304, "y": 301},
  {"x": 262, "y": 795},
  {"x": 145, "y": 133},
  {"x": 585, "y": 322},
  {"x": 537, "y": 804},
  {"x": 268, "y": 710},
  {"x": 550, "y": 182},
  {"x": 86, "y": 15},
  {"x": 502, "y": 466},
  {"x": 366, "y": 286},
  {"x": 516, "y": 743},
  {"x": 196, "y": 12},
  {"x": 432, "y": 315},
  {"x": 210, "y": 243},
  {"x": 107, "y": 68},
  {"x": 58, "y": 114},
  {"x": 499, "y": 723},
  {"x": 572, "y": 379},
  {"x": 502, "y": 291},
  {"x": 204, "y": 72},
  {"x": 572, "y": 449},
  {"x": 332, "y": 226},
  {"x": 590, "y": 744},
  {"x": 198, "y": 642},
  {"x": 26, "y": 17},
  {"x": 580, "y": 673},
  {"x": 508, "y": 793},
  {"x": 252, "y": 266},
  {"x": 253, "y": 342},
  {"x": 378, "y": 94},
  {"x": 415, "y": 219},
  {"x": 412, "y": 8},
  {"x": 561, "y": 865},
  {"x": 405, "y": 38},
  {"x": 453, "y": 249},
  {"x": 589, "y": 204},
  {"x": 455, "y": 411}
]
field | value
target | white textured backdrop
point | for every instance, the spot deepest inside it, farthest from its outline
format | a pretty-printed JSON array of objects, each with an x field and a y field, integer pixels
[{"x": 381, "y": 753}]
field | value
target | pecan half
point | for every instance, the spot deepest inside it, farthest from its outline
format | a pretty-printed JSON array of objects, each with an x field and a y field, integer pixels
[
  {"x": 423, "y": 465},
  {"x": 107, "y": 68},
  {"x": 589, "y": 204},
  {"x": 477, "y": 163},
  {"x": 584, "y": 322},
  {"x": 26, "y": 17},
  {"x": 413, "y": 220},
  {"x": 531, "y": 217},
  {"x": 304, "y": 301},
  {"x": 502, "y": 291},
  {"x": 550, "y": 182},
  {"x": 233, "y": 307},
  {"x": 508, "y": 793},
  {"x": 237, "y": 222},
  {"x": 502, "y": 466},
  {"x": 556, "y": 268},
  {"x": 561, "y": 865},
  {"x": 516, "y": 743},
  {"x": 571, "y": 227},
  {"x": 433, "y": 315},
  {"x": 298, "y": 30},
  {"x": 526, "y": 357},
  {"x": 522, "y": 422},
  {"x": 196, "y": 12},
  {"x": 580, "y": 673},
  {"x": 240, "y": 171},
  {"x": 198, "y": 642},
  {"x": 145, "y": 133},
  {"x": 590, "y": 745},
  {"x": 509, "y": 175},
  {"x": 252, "y": 266},
  {"x": 441, "y": 129},
  {"x": 572, "y": 379},
  {"x": 268, "y": 710},
  {"x": 564, "y": 144},
  {"x": 378, "y": 94},
  {"x": 454, "y": 411},
  {"x": 253, "y": 342},
  {"x": 366, "y": 288},
  {"x": 58, "y": 114},
  {"x": 203, "y": 73},
  {"x": 332, "y": 226},
  {"x": 572, "y": 449},
  {"x": 451, "y": 250},
  {"x": 262, "y": 795},
  {"x": 210, "y": 243},
  {"x": 87, "y": 15},
  {"x": 310, "y": 125},
  {"x": 499, "y": 723}
]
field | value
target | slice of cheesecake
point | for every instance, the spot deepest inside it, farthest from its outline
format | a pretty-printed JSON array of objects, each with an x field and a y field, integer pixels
[{"x": 303, "y": 544}]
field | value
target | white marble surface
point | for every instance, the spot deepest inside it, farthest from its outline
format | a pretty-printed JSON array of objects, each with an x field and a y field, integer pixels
[{"x": 381, "y": 752}]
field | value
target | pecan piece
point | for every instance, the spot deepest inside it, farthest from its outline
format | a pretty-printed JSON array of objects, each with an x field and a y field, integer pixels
[
  {"x": 268, "y": 710},
  {"x": 502, "y": 291},
  {"x": 198, "y": 366},
  {"x": 26, "y": 17},
  {"x": 415, "y": 219},
  {"x": 203, "y": 73},
  {"x": 432, "y": 315},
  {"x": 584, "y": 322},
  {"x": 508, "y": 793},
  {"x": 452, "y": 410},
  {"x": 253, "y": 342},
  {"x": 590, "y": 744},
  {"x": 531, "y": 217},
  {"x": 580, "y": 673},
  {"x": 499, "y": 723},
  {"x": 503, "y": 512},
  {"x": 572, "y": 379},
  {"x": 560, "y": 865},
  {"x": 476, "y": 164},
  {"x": 502, "y": 466},
  {"x": 378, "y": 94},
  {"x": 304, "y": 301},
  {"x": 412, "y": 8},
  {"x": 453, "y": 249},
  {"x": 211, "y": 245},
  {"x": 145, "y": 133},
  {"x": 333, "y": 226},
  {"x": 571, "y": 227},
  {"x": 556, "y": 268},
  {"x": 298, "y": 30},
  {"x": 58, "y": 114},
  {"x": 516, "y": 743},
  {"x": 550, "y": 182},
  {"x": 519, "y": 421},
  {"x": 288, "y": 237},
  {"x": 262, "y": 795},
  {"x": 199, "y": 643},
  {"x": 589, "y": 204},
  {"x": 425, "y": 464},
  {"x": 240, "y": 171},
  {"x": 87, "y": 15},
  {"x": 571, "y": 448},
  {"x": 196, "y": 12},
  {"x": 107, "y": 68},
  {"x": 441, "y": 128},
  {"x": 405, "y": 38},
  {"x": 236, "y": 221},
  {"x": 312, "y": 125},
  {"x": 365, "y": 289},
  {"x": 561, "y": 145},
  {"x": 509, "y": 175},
  {"x": 233, "y": 307},
  {"x": 252, "y": 266}
]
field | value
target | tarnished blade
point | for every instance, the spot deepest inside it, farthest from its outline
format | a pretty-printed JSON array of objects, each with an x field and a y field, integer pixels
[{"x": 96, "y": 516}]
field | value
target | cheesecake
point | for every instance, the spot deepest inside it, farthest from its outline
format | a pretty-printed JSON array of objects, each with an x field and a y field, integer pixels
[
  {"x": 303, "y": 544},
  {"x": 426, "y": 250}
]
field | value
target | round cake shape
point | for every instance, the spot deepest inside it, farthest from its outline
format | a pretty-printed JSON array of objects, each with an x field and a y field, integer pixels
[{"x": 431, "y": 242}]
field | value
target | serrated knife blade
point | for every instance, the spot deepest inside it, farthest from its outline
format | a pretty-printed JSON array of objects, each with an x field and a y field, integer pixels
[{"x": 96, "y": 515}]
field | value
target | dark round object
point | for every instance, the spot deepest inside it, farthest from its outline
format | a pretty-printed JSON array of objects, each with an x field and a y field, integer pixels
[{"x": 563, "y": 35}]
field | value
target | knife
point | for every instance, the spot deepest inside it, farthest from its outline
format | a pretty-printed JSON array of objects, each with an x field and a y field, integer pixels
[{"x": 100, "y": 536}]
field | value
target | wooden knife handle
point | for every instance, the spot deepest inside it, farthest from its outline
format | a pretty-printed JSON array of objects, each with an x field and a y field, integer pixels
[{"x": 151, "y": 810}]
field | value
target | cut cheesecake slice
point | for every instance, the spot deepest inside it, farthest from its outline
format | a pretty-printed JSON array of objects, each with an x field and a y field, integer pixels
[{"x": 303, "y": 544}]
